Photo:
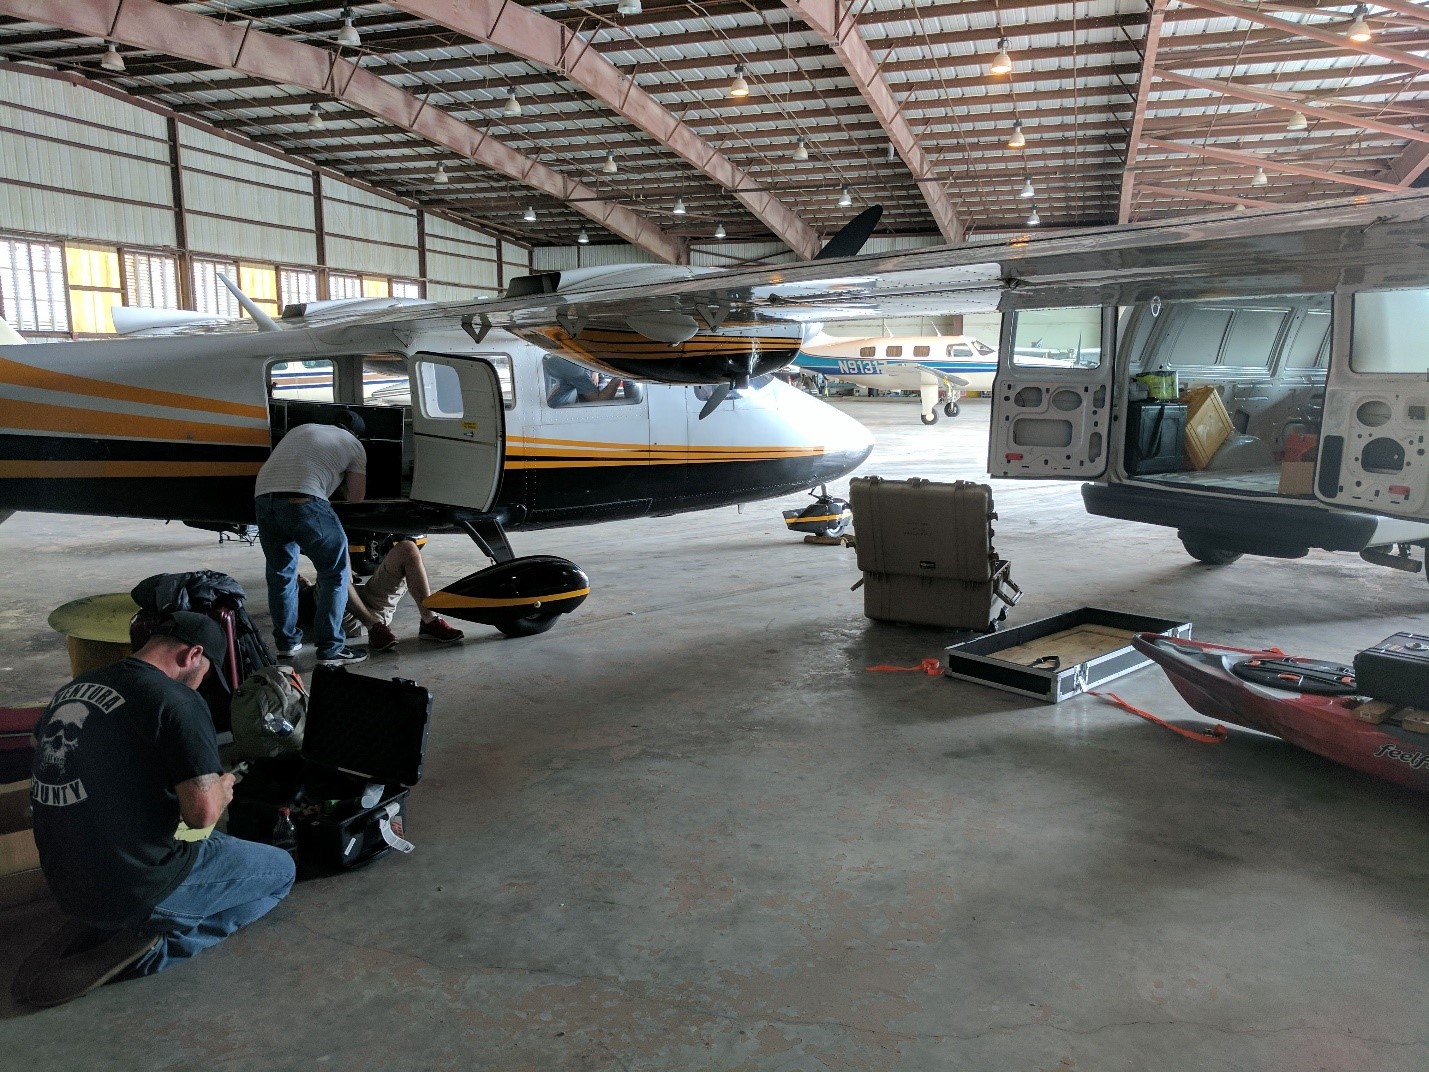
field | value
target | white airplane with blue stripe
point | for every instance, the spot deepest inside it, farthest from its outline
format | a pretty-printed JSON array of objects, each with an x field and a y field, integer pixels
[{"x": 928, "y": 364}]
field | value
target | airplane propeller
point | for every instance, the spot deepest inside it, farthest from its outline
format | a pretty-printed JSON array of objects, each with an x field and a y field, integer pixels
[{"x": 720, "y": 392}]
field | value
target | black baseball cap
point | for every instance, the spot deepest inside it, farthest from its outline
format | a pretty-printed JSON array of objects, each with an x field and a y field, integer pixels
[{"x": 193, "y": 628}]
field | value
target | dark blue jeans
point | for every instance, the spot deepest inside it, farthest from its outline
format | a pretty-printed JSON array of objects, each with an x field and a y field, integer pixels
[
  {"x": 312, "y": 528},
  {"x": 232, "y": 883}
]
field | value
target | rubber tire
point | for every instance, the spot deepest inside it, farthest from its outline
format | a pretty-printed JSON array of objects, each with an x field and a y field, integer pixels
[
  {"x": 531, "y": 625},
  {"x": 929, "y": 418},
  {"x": 1205, "y": 549},
  {"x": 838, "y": 528},
  {"x": 951, "y": 409},
  {"x": 365, "y": 564}
]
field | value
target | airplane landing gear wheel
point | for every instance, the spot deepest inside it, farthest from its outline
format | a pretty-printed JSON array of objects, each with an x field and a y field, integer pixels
[
  {"x": 929, "y": 418},
  {"x": 835, "y": 529},
  {"x": 1204, "y": 548},
  {"x": 951, "y": 409},
  {"x": 531, "y": 625}
]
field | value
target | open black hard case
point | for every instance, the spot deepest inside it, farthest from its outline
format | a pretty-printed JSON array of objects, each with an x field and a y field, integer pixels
[{"x": 361, "y": 732}]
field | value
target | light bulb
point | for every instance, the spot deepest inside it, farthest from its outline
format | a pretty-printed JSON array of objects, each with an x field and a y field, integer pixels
[
  {"x": 719, "y": 230},
  {"x": 739, "y": 87},
  {"x": 1018, "y": 139},
  {"x": 512, "y": 107},
  {"x": 1028, "y": 190},
  {"x": 315, "y": 118},
  {"x": 1359, "y": 31},
  {"x": 441, "y": 178},
  {"x": 628, "y": 7},
  {"x": 112, "y": 61},
  {"x": 1260, "y": 179},
  {"x": 845, "y": 197},
  {"x": 1297, "y": 122},
  {"x": 584, "y": 237},
  {"x": 530, "y": 214},
  {"x": 610, "y": 167},
  {"x": 801, "y": 152},
  {"x": 348, "y": 37},
  {"x": 1002, "y": 62},
  {"x": 1033, "y": 220}
]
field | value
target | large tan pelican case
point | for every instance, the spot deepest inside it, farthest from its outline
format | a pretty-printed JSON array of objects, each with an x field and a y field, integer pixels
[{"x": 926, "y": 552}]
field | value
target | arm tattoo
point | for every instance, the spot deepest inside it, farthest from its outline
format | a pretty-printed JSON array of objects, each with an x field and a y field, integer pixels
[{"x": 205, "y": 782}]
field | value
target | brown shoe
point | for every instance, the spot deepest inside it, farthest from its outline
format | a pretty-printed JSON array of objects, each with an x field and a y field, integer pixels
[
  {"x": 381, "y": 638},
  {"x": 74, "y": 969},
  {"x": 437, "y": 629}
]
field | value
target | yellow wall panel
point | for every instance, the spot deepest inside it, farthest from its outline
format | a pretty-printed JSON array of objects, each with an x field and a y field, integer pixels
[{"x": 89, "y": 266}]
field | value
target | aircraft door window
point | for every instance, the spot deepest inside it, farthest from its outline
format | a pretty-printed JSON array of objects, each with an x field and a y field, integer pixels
[
  {"x": 1388, "y": 333},
  {"x": 922, "y": 351},
  {"x": 1058, "y": 338},
  {"x": 440, "y": 390},
  {"x": 569, "y": 384}
]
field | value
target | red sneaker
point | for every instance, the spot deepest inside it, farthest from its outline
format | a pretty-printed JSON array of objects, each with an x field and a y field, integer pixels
[
  {"x": 381, "y": 638},
  {"x": 437, "y": 629}
]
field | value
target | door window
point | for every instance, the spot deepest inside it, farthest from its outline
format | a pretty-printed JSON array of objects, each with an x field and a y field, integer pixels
[
  {"x": 441, "y": 390},
  {"x": 1388, "y": 336},
  {"x": 1062, "y": 338}
]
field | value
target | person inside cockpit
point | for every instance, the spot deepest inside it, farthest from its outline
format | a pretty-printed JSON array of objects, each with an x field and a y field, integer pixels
[{"x": 568, "y": 384}]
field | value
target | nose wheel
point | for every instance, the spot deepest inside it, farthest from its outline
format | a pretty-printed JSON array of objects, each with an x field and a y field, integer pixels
[{"x": 951, "y": 409}]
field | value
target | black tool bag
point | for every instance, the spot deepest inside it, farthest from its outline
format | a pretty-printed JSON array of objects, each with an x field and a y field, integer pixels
[
  {"x": 1155, "y": 438},
  {"x": 363, "y": 748}
]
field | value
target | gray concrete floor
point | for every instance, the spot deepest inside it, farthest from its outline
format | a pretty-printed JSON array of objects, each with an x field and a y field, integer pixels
[{"x": 687, "y": 830}]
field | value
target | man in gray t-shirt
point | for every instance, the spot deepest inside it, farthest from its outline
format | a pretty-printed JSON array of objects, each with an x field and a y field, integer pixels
[{"x": 294, "y": 515}]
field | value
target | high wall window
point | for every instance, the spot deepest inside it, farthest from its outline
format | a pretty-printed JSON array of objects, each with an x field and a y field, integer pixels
[
  {"x": 297, "y": 285},
  {"x": 210, "y": 295},
  {"x": 343, "y": 285},
  {"x": 32, "y": 285},
  {"x": 260, "y": 283},
  {"x": 151, "y": 280},
  {"x": 93, "y": 287},
  {"x": 406, "y": 288}
]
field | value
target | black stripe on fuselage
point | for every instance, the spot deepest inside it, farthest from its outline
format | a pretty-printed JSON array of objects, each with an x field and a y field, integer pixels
[{"x": 52, "y": 448}]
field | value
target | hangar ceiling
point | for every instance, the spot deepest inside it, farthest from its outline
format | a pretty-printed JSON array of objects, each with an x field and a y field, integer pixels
[{"x": 613, "y": 116}]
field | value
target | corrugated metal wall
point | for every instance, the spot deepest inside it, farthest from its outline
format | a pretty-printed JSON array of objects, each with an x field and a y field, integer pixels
[
  {"x": 711, "y": 254},
  {"x": 82, "y": 165},
  {"x": 244, "y": 203},
  {"x": 368, "y": 233},
  {"x": 461, "y": 263}
]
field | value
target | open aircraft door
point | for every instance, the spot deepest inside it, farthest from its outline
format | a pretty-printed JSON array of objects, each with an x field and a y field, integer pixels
[
  {"x": 1372, "y": 440},
  {"x": 459, "y": 430},
  {"x": 1051, "y": 400}
]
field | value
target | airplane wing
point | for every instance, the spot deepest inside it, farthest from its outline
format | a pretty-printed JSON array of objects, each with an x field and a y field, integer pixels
[{"x": 933, "y": 377}]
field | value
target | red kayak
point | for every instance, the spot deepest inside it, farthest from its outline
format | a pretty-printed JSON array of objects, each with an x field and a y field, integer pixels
[{"x": 1304, "y": 701}]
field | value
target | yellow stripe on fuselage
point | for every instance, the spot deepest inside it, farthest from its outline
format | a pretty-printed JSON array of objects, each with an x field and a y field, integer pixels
[
  {"x": 105, "y": 424},
  {"x": 22, "y": 375},
  {"x": 452, "y": 601}
]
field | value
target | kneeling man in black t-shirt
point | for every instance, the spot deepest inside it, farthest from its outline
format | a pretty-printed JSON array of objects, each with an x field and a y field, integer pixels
[{"x": 121, "y": 755}]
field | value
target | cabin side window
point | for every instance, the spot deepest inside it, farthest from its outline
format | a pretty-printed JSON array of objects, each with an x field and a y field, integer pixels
[
  {"x": 569, "y": 384},
  {"x": 1058, "y": 338},
  {"x": 1309, "y": 344},
  {"x": 922, "y": 351},
  {"x": 893, "y": 351},
  {"x": 1388, "y": 332},
  {"x": 301, "y": 381},
  {"x": 868, "y": 351}
]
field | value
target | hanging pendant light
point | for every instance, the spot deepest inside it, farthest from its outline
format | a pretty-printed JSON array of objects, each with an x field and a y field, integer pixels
[
  {"x": 530, "y": 214},
  {"x": 441, "y": 178},
  {"x": 347, "y": 36},
  {"x": 845, "y": 197},
  {"x": 512, "y": 107},
  {"x": 739, "y": 87},
  {"x": 315, "y": 117},
  {"x": 1359, "y": 31},
  {"x": 1260, "y": 178},
  {"x": 1297, "y": 123},
  {"x": 1033, "y": 219},
  {"x": 628, "y": 7},
  {"x": 112, "y": 60},
  {"x": 610, "y": 167},
  {"x": 719, "y": 230},
  {"x": 1002, "y": 62},
  {"x": 1028, "y": 190},
  {"x": 801, "y": 152},
  {"x": 1018, "y": 139},
  {"x": 679, "y": 209},
  {"x": 584, "y": 237}
]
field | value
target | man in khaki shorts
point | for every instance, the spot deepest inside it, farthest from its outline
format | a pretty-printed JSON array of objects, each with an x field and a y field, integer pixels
[{"x": 374, "y": 604}]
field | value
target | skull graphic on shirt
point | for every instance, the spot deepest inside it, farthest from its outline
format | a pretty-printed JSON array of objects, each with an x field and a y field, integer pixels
[{"x": 59, "y": 737}]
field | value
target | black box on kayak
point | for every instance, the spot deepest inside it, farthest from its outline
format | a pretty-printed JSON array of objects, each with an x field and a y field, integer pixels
[
  {"x": 1396, "y": 670},
  {"x": 364, "y": 742}
]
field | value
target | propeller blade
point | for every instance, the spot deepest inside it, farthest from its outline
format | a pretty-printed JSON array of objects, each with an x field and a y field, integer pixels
[
  {"x": 718, "y": 395},
  {"x": 855, "y": 233}
]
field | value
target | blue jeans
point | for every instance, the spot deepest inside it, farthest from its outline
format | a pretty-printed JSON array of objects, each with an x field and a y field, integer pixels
[
  {"x": 233, "y": 882},
  {"x": 312, "y": 528}
]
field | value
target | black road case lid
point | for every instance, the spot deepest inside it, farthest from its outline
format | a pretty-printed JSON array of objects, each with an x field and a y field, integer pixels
[{"x": 373, "y": 727}]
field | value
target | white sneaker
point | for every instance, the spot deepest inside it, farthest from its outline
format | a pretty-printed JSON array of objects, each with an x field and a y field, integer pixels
[{"x": 288, "y": 653}]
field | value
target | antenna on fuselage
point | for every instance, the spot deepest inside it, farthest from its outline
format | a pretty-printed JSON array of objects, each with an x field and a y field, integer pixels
[{"x": 262, "y": 319}]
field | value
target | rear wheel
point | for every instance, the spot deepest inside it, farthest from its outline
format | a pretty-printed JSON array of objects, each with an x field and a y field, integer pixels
[
  {"x": 530, "y": 625},
  {"x": 1204, "y": 548},
  {"x": 952, "y": 409},
  {"x": 929, "y": 418}
]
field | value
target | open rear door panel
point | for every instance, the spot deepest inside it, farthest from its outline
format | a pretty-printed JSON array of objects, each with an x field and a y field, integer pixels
[
  {"x": 1051, "y": 400},
  {"x": 459, "y": 430},
  {"x": 1373, "y": 438}
]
